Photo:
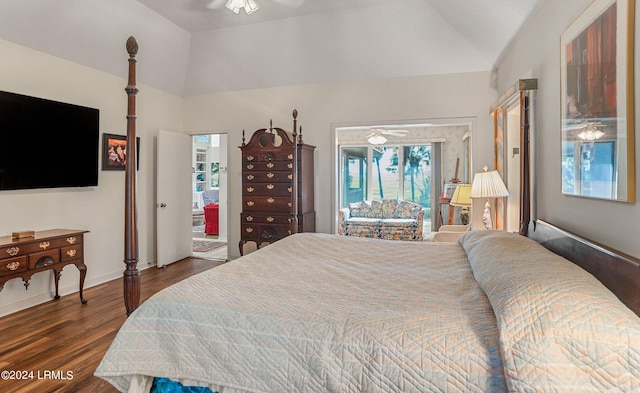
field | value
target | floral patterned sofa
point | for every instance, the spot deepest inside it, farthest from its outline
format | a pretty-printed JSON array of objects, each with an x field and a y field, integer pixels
[{"x": 390, "y": 219}]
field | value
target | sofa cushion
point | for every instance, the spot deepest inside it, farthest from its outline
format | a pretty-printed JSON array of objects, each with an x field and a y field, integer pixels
[
  {"x": 407, "y": 210},
  {"x": 356, "y": 209},
  {"x": 397, "y": 222},
  {"x": 363, "y": 221},
  {"x": 389, "y": 207}
]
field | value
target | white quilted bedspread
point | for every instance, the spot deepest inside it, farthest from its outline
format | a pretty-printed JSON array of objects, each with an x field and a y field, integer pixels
[
  {"x": 318, "y": 313},
  {"x": 560, "y": 329}
]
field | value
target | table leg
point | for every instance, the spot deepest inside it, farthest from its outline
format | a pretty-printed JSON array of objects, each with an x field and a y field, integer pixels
[
  {"x": 56, "y": 280},
  {"x": 83, "y": 273}
]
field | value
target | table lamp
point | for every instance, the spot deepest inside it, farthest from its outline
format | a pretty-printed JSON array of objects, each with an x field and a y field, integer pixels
[
  {"x": 462, "y": 197},
  {"x": 488, "y": 185}
]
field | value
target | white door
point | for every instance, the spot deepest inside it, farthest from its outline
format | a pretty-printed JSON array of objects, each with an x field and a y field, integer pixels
[{"x": 173, "y": 197}]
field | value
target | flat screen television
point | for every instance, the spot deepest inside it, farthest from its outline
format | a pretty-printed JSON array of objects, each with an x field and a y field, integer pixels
[{"x": 47, "y": 144}]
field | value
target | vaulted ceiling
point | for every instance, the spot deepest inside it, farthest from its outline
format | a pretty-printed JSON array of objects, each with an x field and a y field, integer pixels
[{"x": 187, "y": 48}]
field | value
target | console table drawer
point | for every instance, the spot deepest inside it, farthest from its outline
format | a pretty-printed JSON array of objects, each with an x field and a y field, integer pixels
[
  {"x": 13, "y": 265},
  {"x": 45, "y": 258},
  {"x": 71, "y": 252}
]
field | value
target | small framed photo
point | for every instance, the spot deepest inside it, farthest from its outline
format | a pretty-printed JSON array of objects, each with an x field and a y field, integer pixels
[
  {"x": 448, "y": 190},
  {"x": 114, "y": 152}
]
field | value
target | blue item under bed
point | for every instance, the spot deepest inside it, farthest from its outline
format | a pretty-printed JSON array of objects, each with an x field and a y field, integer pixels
[{"x": 165, "y": 385}]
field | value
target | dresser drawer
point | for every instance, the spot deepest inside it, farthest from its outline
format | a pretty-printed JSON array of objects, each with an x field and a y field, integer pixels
[
  {"x": 267, "y": 166},
  {"x": 269, "y": 189},
  {"x": 267, "y": 155},
  {"x": 44, "y": 258},
  {"x": 266, "y": 219},
  {"x": 265, "y": 232},
  {"x": 266, "y": 204},
  {"x": 13, "y": 265},
  {"x": 267, "y": 177},
  {"x": 71, "y": 252}
]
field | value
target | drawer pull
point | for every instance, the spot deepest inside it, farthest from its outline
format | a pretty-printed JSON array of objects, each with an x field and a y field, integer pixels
[
  {"x": 71, "y": 240},
  {"x": 290, "y": 156},
  {"x": 290, "y": 165},
  {"x": 44, "y": 261},
  {"x": 250, "y": 177},
  {"x": 289, "y": 232},
  {"x": 249, "y": 230},
  {"x": 289, "y": 189},
  {"x": 290, "y": 176},
  {"x": 288, "y": 219},
  {"x": 250, "y": 203},
  {"x": 271, "y": 186},
  {"x": 249, "y": 166},
  {"x": 270, "y": 165},
  {"x": 270, "y": 175},
  {"x": 71, "y": 253},
  {"x": 270, "y": 200},
  {"x": 289, "y": 204},
  {"x": 270, "y": 219},
  {"x": 250, "y": 158},
  {"x": 13, "y": 265},
  {"x": 13, "y": 251},
  {"x": 249, "y": 218},
  {"x": 250, "y": 189},
  {"x": 45, "y": 245}
]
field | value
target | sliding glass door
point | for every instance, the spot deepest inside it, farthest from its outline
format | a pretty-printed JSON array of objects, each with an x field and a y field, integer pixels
[{"x": 393, "y": 172}]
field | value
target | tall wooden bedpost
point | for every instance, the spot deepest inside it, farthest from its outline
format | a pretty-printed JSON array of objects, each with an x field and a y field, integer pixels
[
  {"x": 131, "y": 275},
  {"x": 294, "y": 199}
]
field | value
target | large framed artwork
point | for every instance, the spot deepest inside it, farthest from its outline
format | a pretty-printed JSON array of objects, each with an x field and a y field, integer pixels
[{"x": 598, "y": 102}]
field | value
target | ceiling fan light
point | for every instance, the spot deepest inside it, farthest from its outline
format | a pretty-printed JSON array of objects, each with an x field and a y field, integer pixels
[
  {"x": 233, "y": 5},
  {"x": 250, "y": 6},
  {"x": 377, "y": 139},
  {"x": 590, "y": 135}
]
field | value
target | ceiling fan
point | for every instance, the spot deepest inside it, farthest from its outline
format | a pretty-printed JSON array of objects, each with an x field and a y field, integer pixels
[
  {"x": 249, "y": 6},
  {"x": 376, "y": 136}
]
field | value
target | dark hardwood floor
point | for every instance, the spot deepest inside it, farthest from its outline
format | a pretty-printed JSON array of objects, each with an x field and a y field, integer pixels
[{"x": 66, "y": 338}]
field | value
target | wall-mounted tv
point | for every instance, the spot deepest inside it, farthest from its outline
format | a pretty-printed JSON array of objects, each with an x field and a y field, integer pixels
[{"x": 47, "y": 144}]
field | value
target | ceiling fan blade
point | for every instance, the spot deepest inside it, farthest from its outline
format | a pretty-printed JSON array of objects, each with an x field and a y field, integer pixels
[
  {"x": 216, "y": 4},
  {"x": 290, "y": 3},
  {"x": 395, "y": 132}
]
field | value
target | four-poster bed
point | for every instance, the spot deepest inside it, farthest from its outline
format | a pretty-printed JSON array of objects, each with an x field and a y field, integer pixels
[{"x": 495, "y": 311}]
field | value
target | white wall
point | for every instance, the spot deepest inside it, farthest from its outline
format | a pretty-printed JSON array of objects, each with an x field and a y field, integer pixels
[
  {"x": 536, "y": 52},
  {"x": 97, "y": 209},
  {"x": 467, "y": 95}
]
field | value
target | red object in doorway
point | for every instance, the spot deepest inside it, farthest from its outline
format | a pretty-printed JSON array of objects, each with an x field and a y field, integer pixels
[{"x": 211, "y": 219}]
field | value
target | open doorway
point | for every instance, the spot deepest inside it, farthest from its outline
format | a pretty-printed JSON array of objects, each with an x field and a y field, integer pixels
[
  {"x": 209, "y": 201},
  {"x": 403, "y": 160}
]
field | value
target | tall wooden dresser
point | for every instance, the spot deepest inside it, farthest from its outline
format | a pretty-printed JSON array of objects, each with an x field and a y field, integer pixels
[{"x": 277, "y": 186}]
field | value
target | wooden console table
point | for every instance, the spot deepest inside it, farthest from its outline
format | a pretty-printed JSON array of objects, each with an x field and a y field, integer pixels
[{"x": 46, "y": 250}]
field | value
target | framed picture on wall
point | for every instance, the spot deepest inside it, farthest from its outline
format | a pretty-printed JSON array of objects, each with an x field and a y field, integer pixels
[
  {"x": 596, "y": 60},
  {"x": 114, "y": 152}
]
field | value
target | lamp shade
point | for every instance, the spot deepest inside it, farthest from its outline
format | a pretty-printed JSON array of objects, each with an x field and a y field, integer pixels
[
  {"x": 488, "y": 185},
  {"x": 461, "y": 196}
]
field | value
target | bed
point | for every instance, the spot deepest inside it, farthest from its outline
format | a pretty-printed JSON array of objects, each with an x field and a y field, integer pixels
[
  {"x": 492, "y": 312},
  {"x": 303, "y": 315}
]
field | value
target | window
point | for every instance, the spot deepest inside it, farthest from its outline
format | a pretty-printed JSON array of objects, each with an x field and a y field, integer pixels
[{"x": 393, "y": 172}]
